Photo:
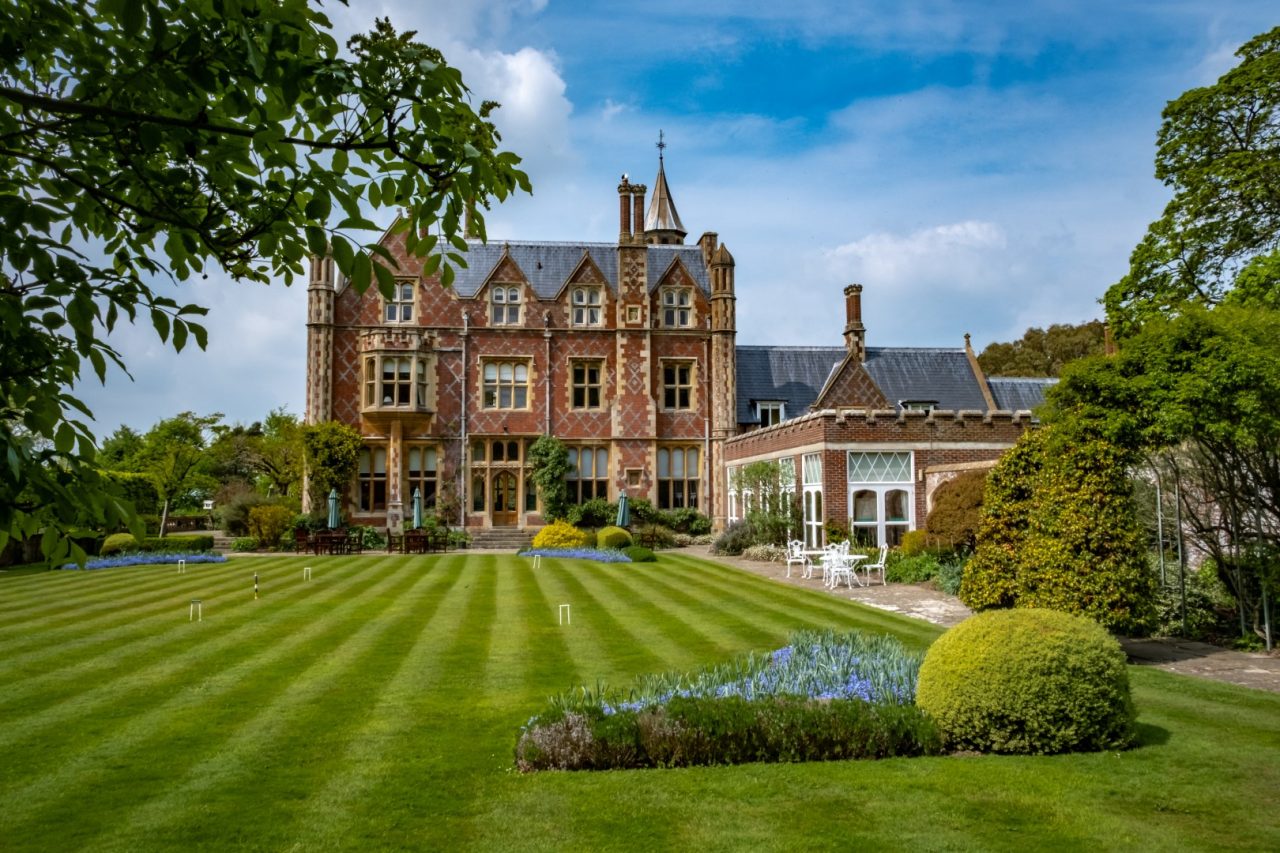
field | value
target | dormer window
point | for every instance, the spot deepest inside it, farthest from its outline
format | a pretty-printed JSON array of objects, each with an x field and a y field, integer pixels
[
  {"x": 399, "y": 309},
  {"x": 771, "y": 412},
  {"x": 677, "y": 307},
  {"x": 397, "y": 381},
  {"x": 504, "y": 306},
  {"x": 586, "y": 306}
]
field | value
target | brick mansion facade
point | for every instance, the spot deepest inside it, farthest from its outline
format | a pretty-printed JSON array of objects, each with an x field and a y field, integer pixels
[{"x": 626, "y": 352}]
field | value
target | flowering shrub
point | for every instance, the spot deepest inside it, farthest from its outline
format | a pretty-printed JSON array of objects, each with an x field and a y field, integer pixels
[
  {"x": 824, "y": 696},
  {"x": 559, "y": 534},
  {"x": 140, "y": 559},
  {"x": 600, "y": 555},
  {"x": 764, "y": 553}
]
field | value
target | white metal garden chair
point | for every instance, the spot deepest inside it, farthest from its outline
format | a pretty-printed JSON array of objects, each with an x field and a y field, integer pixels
[
  {"x": 797, "y": 556},
  {"x": 834, "y": 554},
  {"x": 877, "y": 566},
  {"x": 843, "y": 566}
]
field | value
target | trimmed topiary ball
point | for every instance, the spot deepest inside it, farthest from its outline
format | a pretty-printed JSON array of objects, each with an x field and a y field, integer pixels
[{"x": 1028, "y": 681}]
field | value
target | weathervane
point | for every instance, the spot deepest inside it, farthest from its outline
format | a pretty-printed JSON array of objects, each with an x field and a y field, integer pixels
[{"x": 661, "y": 145}]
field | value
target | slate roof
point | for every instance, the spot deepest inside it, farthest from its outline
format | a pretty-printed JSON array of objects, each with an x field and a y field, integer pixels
[
  {"x": 793, "y": 375},
  {"x": 1015, "y": 394},
  {"x": 918, "y": 373},
  {"x": 548, "y": 265}
]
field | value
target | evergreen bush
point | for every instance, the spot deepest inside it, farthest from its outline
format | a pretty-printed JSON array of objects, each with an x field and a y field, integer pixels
[
  {"x": 639, "y": 554},
  {"x": 118, "y": 543},
  {"x": 1027, "y": 681},
  {"x": 957, "y": 511},
  {"x": 1059, "y": 530},
  {"x": 269, "y": 522},
  {"x": 612, "y": 537},
  {"x": 596, "y": 512}
]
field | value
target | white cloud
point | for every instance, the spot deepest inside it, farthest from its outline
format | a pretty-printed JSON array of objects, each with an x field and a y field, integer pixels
[{"x": 957, "y": 256}]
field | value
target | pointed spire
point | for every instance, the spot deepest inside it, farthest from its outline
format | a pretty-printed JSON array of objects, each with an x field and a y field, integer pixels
[{"x": 662, "y": 222}]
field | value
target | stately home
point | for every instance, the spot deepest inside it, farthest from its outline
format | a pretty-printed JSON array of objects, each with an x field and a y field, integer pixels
[{"x": 626, "y": 352}]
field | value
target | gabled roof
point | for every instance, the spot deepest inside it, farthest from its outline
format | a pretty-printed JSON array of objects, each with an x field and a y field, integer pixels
[
  {"x": 1016, "y": 394},
  {"x": 943, "y": 376},
  {"x": 791, "y": 375},
  {"x": 548, "y": 265},
  {"x": 796, "y": 376}
]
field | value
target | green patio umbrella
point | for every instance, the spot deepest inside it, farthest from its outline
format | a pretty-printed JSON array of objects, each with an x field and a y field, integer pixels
[
  {"x": 417, "y": 509},
  {"x": 333, "y": 509},
  {"x": 624, "y": 511}
]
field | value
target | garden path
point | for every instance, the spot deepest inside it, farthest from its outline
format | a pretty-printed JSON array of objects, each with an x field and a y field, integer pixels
[{"x": 921, "y": 601}]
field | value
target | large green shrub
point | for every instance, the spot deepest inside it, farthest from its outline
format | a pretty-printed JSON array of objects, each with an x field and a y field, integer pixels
[
  {"x": 1027, "y": 681},
  {"x": 639, "y": 554},
  {"x": 596, "y": 512},
  {"x": 612, "y": 537},
  {"x": 1059, "y": 530},
  {"x": 957, "y": 511},
  {"x": 118, "y": 543},
  {"x": 559, "y": 534},
  {"x": 268, "y": 523}
]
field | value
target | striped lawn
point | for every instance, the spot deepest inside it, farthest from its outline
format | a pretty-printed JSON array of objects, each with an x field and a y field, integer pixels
[{"x": 375, "y": 707}]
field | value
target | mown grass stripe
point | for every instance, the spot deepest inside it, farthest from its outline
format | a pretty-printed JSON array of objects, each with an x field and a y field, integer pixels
[
  {"x": 548, "y": 664},
  {"x": 109, "y": 635},
  {"x": 168, "y": 698},
  {"x": 818, "y": 607},
  {"x": 37, "y": 680},
  {"x": 312, "y": 737},
  {"x": 670, "y": 634},
  {"x": 598, "y": 640}
]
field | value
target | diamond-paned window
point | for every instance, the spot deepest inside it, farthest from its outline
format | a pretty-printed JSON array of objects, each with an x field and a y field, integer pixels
[{"x": 879, "y": 467}]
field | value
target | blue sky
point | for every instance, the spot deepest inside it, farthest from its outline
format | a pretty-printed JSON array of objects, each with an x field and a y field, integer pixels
[{"x": 978, "y": 167}]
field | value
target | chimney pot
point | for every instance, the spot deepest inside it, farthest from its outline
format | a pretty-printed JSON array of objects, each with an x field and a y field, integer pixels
[{"x": 624, "y": 210}]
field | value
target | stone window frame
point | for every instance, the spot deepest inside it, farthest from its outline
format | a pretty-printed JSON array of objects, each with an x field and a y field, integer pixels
[
  {"x": 516, "y": 362},
  {"x": 501, "y": 299},
  {"x": 690, "y": 487},
  {"x": 598, "y": 481},
  {"x": 580, "y": 311},
  {"x": 371, "y": 478},
  {"x": 674, "y": 309},
  {"x": 874, "y": 494},
  {"x": 413, "y": 393},
  {"x": 425, "y": 476},
  {"x": 586, "y": 387},
  {"x": 404, "y": 309},
  {"x": 691, "y": 387}
]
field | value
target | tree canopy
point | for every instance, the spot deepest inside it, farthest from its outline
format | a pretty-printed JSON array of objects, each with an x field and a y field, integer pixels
[
  {"x": 1219, "y": 237},
  {"x": 1044, "y": 352},
  {"x": 145, "y": 142}
]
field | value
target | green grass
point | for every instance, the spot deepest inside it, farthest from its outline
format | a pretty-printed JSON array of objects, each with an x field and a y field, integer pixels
[{"x": 376, "y": 706}]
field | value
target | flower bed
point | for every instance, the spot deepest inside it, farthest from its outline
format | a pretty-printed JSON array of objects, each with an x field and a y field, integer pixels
[
  {"x": 600, "y": 555},
  {"x": 823, "y": 696},
  {"x": 140, "y": 558}
]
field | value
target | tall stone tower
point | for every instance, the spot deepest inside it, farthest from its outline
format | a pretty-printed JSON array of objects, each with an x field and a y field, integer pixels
[{"x": 635, "y": 409}]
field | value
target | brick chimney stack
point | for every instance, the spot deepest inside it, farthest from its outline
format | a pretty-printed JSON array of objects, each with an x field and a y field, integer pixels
[
  {"x": 637, "y": 216},
  {"x": 855, "y": 334},
  {"x": 624, "y": 211}
]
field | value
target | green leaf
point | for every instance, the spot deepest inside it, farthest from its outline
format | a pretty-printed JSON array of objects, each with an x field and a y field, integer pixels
[
  {"x": 318, "y": 207},
  {"x": 343, "y": 255},
  {"x": 132, "y": 17},
  {"x": 160, "y": 320}
]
